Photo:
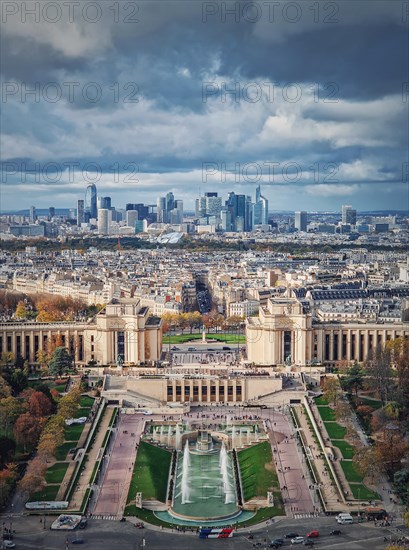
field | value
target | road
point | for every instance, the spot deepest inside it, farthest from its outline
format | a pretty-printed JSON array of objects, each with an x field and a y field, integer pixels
[{"x": 101, "y": 535}]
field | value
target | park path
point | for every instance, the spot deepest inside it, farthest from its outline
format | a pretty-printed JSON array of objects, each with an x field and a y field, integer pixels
[
  {"x": 85, "y": 477},
  {"x": 120, "y": 459},
  {"x": 293, "y": 484}
]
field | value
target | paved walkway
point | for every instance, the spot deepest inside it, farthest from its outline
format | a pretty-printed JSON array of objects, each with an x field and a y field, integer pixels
[
  {"x": 85, "y": 478},
  {"x": 328, "y": 490},
  {"x": 293, "y": 484},
  {"x": 113, "y": 494}
]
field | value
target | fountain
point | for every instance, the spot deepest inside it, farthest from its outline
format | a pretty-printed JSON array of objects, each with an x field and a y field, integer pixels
[
  {"x": 178, "y": 437},
  {"x": 185, "y": 474},
  {"x": 228, "y": 489},
  {"x": 169, "y": 435}
]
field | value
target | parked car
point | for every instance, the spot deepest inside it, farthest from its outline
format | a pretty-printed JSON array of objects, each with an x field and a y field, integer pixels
[
  {"x": 8, "y": 544},
  {"x": 297, "y": 540},
  {"x": 277, "y": 542},
  {"x": 83, "y": 523},
  {"x": 313, "y": 534},
  {"x": 77, "y": 541},
  {"x": 291, "y": 535},
  {"x": 336, "y": 532},
  {"x": 308, "y": 542}
]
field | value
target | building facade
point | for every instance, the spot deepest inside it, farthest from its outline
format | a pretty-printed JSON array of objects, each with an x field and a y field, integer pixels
[
  {"x": 284, "y": 334},
  {"x": 121, "y": 332}
]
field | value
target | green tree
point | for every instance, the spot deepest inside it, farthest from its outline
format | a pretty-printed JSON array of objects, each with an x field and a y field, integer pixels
[
  {"x": 61, "y": 361},
  {"x": 354, "y": 379},
  {"x": 22, "y": 311}
]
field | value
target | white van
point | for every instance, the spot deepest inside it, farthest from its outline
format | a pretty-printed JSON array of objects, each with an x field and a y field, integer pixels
[{"x": 344, "y": 518}]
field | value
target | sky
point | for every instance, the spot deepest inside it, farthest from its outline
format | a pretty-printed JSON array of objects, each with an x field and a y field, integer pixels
[{"x": 308, "y": 99}]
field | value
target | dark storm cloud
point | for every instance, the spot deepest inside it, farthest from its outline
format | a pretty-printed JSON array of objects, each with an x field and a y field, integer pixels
[{"x": 172, "y": 50}]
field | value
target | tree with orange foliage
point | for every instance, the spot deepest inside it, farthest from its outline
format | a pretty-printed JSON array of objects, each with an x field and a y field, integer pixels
[
  {"x": 27, "y": 430},
  {"x": 39, "y": 404},
  {"x": 8, "y": 476},
  {"x": 34, "y": 478}
]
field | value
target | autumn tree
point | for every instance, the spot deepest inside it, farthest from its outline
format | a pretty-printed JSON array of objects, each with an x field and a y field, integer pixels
[
  {"x": 343, "y": 411},
  {"x": 332, "y": 390},
  {"x": 10, "y": 409},
  {"x": 22, "y": 311},
  {"x": 61, "y": 362},
  {"x": 39, "y": 405},
  {"x": 68, "y": 404},
  {"x": 5, "y": 390},
  {"x": 366, "y": 462},
  {"x": 391, "y": 448},
  {"x": 27, "y": 430},
  {"x": 8, "y": 476},
  {"x": 34, "y": 478},
  {"x": 378, "y": 367}
]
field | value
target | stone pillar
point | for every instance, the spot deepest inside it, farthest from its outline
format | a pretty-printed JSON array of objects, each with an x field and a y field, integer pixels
[
  {"x": 331, "y": 345},
  {"x": 199, "y": 385},
  {"x": 174, "y": 391}
]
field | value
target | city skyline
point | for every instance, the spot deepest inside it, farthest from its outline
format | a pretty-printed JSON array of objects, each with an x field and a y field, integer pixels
[{"x": 223, "y": 99}]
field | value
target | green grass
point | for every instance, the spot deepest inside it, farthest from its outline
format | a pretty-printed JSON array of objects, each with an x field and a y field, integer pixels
[
  {"x": 257, "y": 471},
  {"x": 63, "y": 449},
  {"x": 335, "y": 430},
  {"x": 321, "y": 400},
  {"x": 60, "y": 387},
  {"x": 221, "y": 337},
  {"x": 326, "y": 413},
  {"x": 86, "y": 401},
  {"x": 150, "y": 475},
  {"x": 350, "y": 472},
  {"x": 73, "y": 432},
  {"x": 361, "y": 492},
  {"x": 49, "y": 492},
  {"x": 83, "y": 411},
  {"x": 346, "y": 449},
  {"x": 56, "y": 472}
]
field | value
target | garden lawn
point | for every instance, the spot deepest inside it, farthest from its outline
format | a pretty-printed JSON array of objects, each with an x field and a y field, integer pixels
[
  {"x": 335, "y": 430},
  {"x": 86, "y": 401},
  {"x": 346, "y": 449},
  {"x": 326, "y": 413},
  {"x": 321, "y": 400},
  {"x": 257, "y": 471},
  {"x": 73, "y": 432},
  {"x": 221, "y": 337},
  {"x": 83, "y": 411},
  {"x": 374, "y": 403},
  {"x": 63, "y": 449},
  {"x": 350, "y": 472},
  {"x": 150, "y": 474},
  {"x": 49, "y": 492},
  {"x": 56, "y": 472},
  {"x": 361, "y": 492}
]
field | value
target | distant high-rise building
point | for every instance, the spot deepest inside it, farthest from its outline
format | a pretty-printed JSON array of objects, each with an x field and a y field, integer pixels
[
  {"x": 51, "y": 212},
  {"x": 209, "y": 205},
  {"x": 80, "y": 212},
  {"x": 104, "y": 203},
  {"x": 177, "y": 213},
  {"x": 239, "y": 206},
  {"x": 226, "y": 220},
  {"x": 141, "y": 226},
  {"x": 161, "y": 210},
  {"x": 104, "y": 221},
  {"x": 33, "y": 215},
  {"x": 143, "y": 211},
  {"x": 300, "y": 221},
  {"x": 348, "y": 215},
  {"x": 91, "y": 201},
  {"x": 131, "y": 218},
  {"x": 200, "y": 207},
  {"x": 260, "y": 209}
]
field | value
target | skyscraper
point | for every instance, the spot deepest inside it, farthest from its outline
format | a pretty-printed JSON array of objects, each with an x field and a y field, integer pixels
[
  {"x": 104, "y": 202},
  {"x": 91, "y": 201},
  {"x": 348, "y": 215},
  {"x": 80, "y": 212},
  {"x": 300, "y": 220},
  {"x": 33, "y": 215},
  {"x": 131, "y": 218},
  {"x": 104, "y": 221},
  {"x": 161, "y": 210},
  {"x": 260, "y": 209}
]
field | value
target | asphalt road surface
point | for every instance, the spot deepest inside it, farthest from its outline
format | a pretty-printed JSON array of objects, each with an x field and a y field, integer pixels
[{"x": 101, "y": 535}]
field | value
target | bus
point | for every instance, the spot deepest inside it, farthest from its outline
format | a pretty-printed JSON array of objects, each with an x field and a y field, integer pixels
[{"x": 215, "y": 533}]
